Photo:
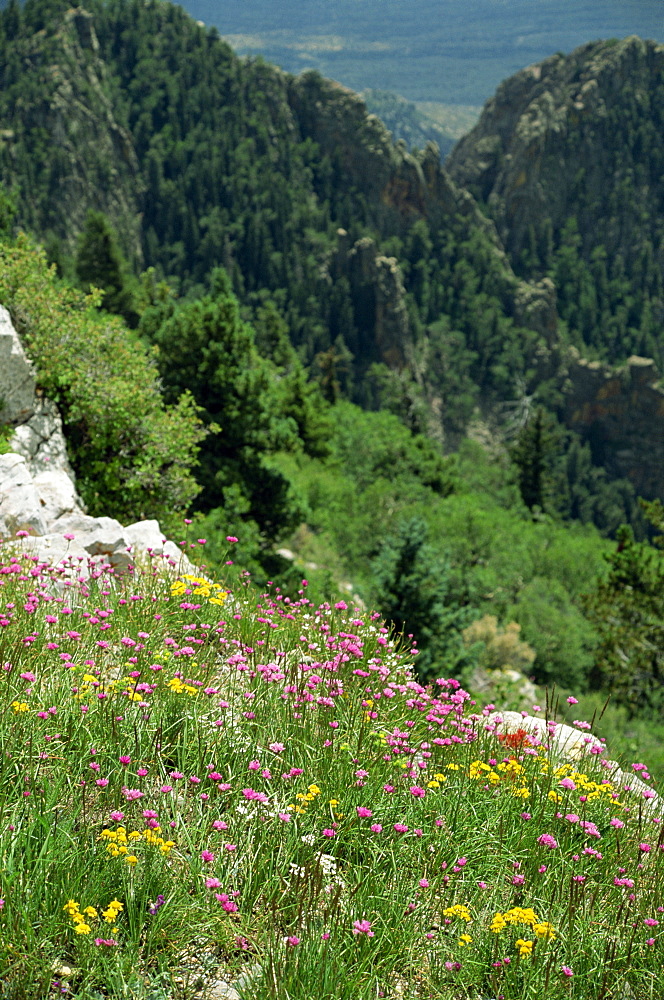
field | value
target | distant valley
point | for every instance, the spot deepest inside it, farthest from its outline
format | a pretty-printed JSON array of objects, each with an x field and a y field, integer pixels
[{"x": 445, "y": 51}]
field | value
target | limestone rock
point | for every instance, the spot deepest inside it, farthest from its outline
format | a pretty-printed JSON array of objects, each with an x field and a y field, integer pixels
[
  {"x": 41, "y": 441},
  {"x": 57, "y": 494},
  {"x": 17, "y": 379},
  {"x": 20, "y": 506},
  {"x": 145, "y": 536}
]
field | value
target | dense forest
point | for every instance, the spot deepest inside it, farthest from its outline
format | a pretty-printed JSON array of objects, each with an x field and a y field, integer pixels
[{"x": 356, "y": 363}]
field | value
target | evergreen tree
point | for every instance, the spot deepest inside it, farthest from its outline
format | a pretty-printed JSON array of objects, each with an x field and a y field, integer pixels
[
  {"x": 413, "y": 591},
  {"x": 627, "y": 609},
  {"x": 99, "y": 263}
]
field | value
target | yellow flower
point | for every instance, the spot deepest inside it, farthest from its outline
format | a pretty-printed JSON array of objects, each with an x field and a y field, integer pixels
[
  {"x": 544, "y": 929},
  {"x": 498, "y": 923},
  {"x": 20, "y": 706},
  {"x": 524, "y": 947},
  {"x": 90, "y": 912},
  {"x": 465, "y": 939},
  {"x": 458, "y": 910},
  {"x": 83, "y": 928},
  {"x": 131, "y": 859}
]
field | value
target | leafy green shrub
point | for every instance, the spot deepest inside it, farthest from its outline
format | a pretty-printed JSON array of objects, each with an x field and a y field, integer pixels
[{"x": 133, "y": 456}]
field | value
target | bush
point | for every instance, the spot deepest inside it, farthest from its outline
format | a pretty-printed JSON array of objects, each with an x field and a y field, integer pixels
[{"x": 132, "y": 454}]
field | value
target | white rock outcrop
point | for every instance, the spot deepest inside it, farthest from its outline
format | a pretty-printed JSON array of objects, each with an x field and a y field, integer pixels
[{"x": 40, "y": 509}]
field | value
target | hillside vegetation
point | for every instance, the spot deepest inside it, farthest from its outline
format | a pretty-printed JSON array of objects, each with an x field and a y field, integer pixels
[{"x": 309, "y": 329}]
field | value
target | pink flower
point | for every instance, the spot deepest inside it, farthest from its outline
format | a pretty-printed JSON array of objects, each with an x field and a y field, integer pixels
[
  {"x": 125, "y": 759},
  {"x": 401, "y": 828},
  {"x": 227, "y": 904},
  {"x": 566, "y": 971},
  {"x": 546, "y": 840},
  {"x": 572, "y": 818},
  {"x": 117, "y": 816},
  {"x": 568, "y": 783},
  {"x": 417, "y": 792},
  {"x": 277, "y": 747},
  {"x": 293, "y": 941},
  {"x": 207, "y": 855},
  {"x": 363, "y": 812},
  {"x": 362, "y": 927},
  {"x": 329, "y": 833},
  {"x": 376, "y": 828},
  {"x": 285, "y": 817},
  {"x": 572, "y": 701},
  {"x": 423, "y": 883},
  {"x": 212, "y": 883}
]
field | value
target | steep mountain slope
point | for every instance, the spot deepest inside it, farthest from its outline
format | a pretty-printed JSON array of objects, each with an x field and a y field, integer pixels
[
  {"x": 61, "y": 145},
  {"x": 568, "y": 159},
  {"x": 287, "y": 182}
]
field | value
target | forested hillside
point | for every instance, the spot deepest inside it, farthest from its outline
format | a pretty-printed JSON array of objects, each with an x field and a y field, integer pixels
[{"x": 384, "y": 358}]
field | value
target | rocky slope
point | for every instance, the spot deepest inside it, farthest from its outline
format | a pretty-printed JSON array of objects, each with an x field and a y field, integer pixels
[
  {"x": 58, "y": 115},
  {"x": 579, "y": 135}
]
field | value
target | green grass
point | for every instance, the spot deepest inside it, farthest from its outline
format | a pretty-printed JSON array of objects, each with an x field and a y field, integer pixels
[{"x": 196, "y": 786}]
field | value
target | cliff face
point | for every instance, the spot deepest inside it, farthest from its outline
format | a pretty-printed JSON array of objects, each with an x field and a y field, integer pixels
[
  {"x": 579, "y": 135},
  {"x": 620, "y": 411},
  {"x": 58, "y": 114}
]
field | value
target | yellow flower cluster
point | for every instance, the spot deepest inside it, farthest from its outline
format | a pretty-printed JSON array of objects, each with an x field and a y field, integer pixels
[
  {"x": 179, "y": 687},
  {"x": 304, "y": 798},
  {"x": 522, "y": 915},
  {"x": 198, "y": 585},
  {"x": 586, "y": 786},
  {"x": 525, "y": 948},
  {"x": 508, "y": 772},
  {"x": 80, "y": 918},
  {"x": 118, "y": 842},
  {"x": 20, "y": 706},
  {"x": 458, "y": 910},
  {"x": 437, "y": 780}
]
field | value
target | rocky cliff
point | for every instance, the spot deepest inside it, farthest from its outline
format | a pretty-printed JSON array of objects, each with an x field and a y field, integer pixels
[
  {"x": 59, "y": 115},
  {"x": 579, "y": 135}
]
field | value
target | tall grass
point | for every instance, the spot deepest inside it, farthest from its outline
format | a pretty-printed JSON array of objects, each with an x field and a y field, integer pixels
[{"x": 199, "y": 785}]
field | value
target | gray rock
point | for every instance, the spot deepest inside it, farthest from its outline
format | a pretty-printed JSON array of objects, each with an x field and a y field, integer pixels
[
  {"x": 41, "y": 441},
  {"x": 17, "y": 378},
  {"x": 20, "y": 507},
  {"x": 57, "y": 494},
  {"x": 144, "y": 536}
]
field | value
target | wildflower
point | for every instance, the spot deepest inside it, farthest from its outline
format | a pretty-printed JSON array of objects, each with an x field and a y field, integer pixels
[
  {"x": 525, "y": 948},
  {"x": 156, "y": 906},
  {"x": 329, "y": 833},
  {"x": 566, "y": 971},
  {"x": 363, "y": 812},
  {"x": 363, "y": 927},
  {"x": 464, "y": 940},
  {"x": 401, "y": 828},
  {"x": 292, "y": 941},
  {"x": 546, "y": 840}
]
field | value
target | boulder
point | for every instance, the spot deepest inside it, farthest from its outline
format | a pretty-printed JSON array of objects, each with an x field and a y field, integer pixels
[
  {"x": 17, "y": 377},
  {"x": 20, "y": 506},
  {"x": 145, "y": 536}
]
